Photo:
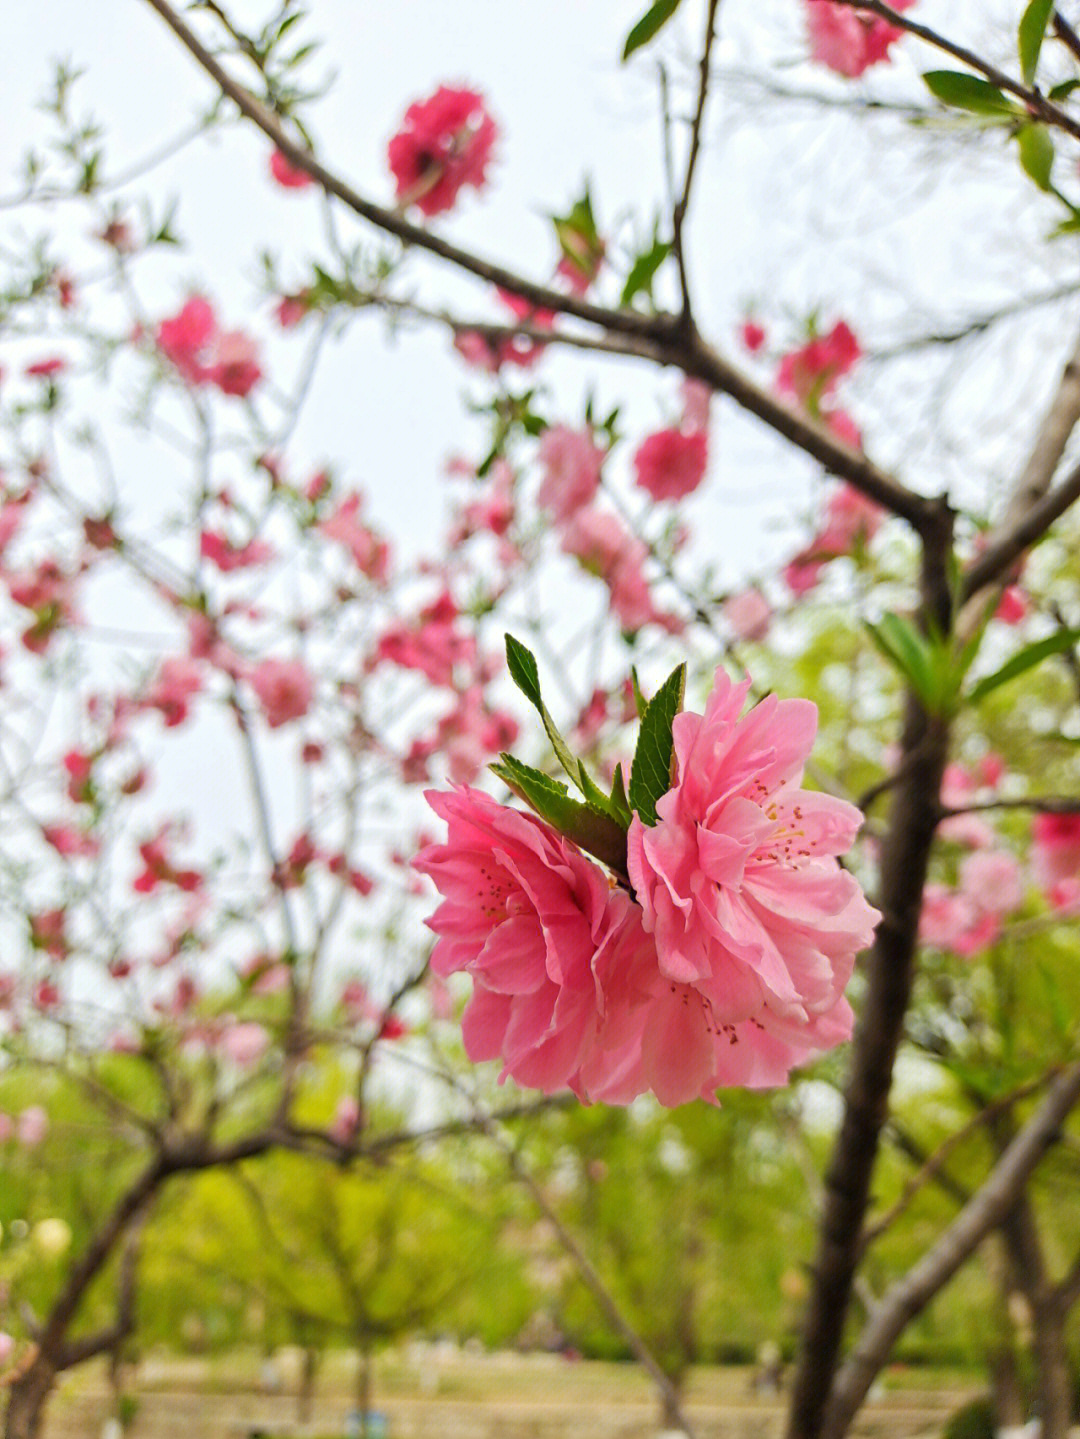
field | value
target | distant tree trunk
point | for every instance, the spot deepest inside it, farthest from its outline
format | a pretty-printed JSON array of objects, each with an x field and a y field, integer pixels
[
  {"x": 305, "y": 1398},
  {"x": 363, "y": 1377},
  {"x": 1006, "y": 1394},
  {"x": 671, "y": 1413}
]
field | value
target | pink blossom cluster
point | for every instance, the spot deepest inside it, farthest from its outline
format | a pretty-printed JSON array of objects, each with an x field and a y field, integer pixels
[
  {"x": 491, "y": 351},
  {"x": 724, "y": 963},
  {"x": 809, "y": 375},
  {"x": 204, "y": 354},
  {"x": 670, "y": 464},
  {"x": 29, "y": 1128},
  {"x": 1055, "y": 859},
  {"x": 970, "y": 917},
  {"x": 848, "y": 41},
  {"x": 444, "y": 144}
]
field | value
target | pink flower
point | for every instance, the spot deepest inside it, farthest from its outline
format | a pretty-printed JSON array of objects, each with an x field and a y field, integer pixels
[
  {"x": 344, "y": 526},
  {"x": 969, "y": 919},
  {"x": 234, "y": 364},
  {"x": 177, "y": 680},
  {"x": 288, "y": 175},
  {"x": 444, "y": 144},
  {"x": 1013, "y": 606},
  {"x": 1055, "y": 848},
  {"x": 471, "y": 734},
  {"x": 571, "y": 462},
  {"x": 606, "y": 547},
  {"x": 671, "y": 464},
  {"x": 544, "y": 937},
  {"x": 290, "y": 310},
  {"x": 811, "y": 372},
  {"x": 244, "y": 1043},
  {"x": 159, "y": 869},
  {"x": 748, "y": 613},
  {"x": 697, "y": 402},
  {"x": 31, "y": 1126},
  {"x": 285, "y": 689},
  {"x": 7, "y": 1346},
  {"x": 185, "y": 337},
  {"x": 846, "y": 41},
  {"x": 756, "y": 925},
  {"x": 753, "y": 336},
  {"x": 346, "y": 1120},
  {"x": 434, "y": 644},
  {"x": 68, "y": 841},
  {"x": 220, "y": 551},
  {"x": 46, "y": 369}
]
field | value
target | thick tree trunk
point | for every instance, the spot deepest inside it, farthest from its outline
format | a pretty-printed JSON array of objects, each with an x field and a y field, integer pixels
[
  {"x": 890, "y": 973},
  {"x": 27, "y": 1397}
]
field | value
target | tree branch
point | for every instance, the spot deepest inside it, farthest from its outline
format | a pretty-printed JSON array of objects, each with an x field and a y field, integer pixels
[
  {"x": 1040, "y": 107},
  {"x": 678, "y": 218},
  {"x": 663, "y": 338},
  {"x": 985, "y": 1212}
]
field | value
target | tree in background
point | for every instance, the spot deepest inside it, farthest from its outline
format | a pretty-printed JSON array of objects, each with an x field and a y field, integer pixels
[{"x": 190, "y": 931}]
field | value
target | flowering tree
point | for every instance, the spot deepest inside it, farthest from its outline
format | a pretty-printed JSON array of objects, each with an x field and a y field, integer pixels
[{"x": 687, "y": 923}]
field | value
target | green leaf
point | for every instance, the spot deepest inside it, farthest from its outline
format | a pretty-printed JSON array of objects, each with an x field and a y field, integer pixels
[
  {"x": 591, "y": 830},
  {"x": 1025, "y": 660},
  {"x": 654, "y": 20},
  {"x": 521, "y": 663},
  {"x": 643, "y": 271},
  {"x": 968, "y": 92},
  {"x": 1030, "y": 36},
  {"x": 909, "y": 652},
  {"x": 1036, "y": 153},
  {"x": 641, "y": 704},
  {"x": 619, "y": 803},
  {"x": 650, "y": 773},
  {"x": 1064, "y": 90}
]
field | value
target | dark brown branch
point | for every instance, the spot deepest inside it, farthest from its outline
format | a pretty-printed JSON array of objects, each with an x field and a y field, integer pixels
[
  {"x": 1064, "y": 32},
  {"x": 932, "y": 1166},
  {"x": 665, "y": 339},
  {"x": 890, "y": 973},
  {"x": 391, "y": 221},
  {"x": 985, "y": 1212},
  {"x": 1039, "y": 106},
  {"x": 1001, "y": 554},
  {"x": 1041, "y": 804}
]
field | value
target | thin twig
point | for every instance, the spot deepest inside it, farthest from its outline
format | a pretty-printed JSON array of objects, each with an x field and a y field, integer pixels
[{"x": 678, "y": 218}]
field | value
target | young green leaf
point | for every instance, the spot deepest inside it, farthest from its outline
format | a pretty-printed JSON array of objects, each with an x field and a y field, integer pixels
[
  {"x": 910, "y": 653},
  {"x": 596, "y": 833},
  {"x": 1025, "y": 660},
  {"x": 643, "y": 271},
  {"x": 650, "y": 773},
  {"x": 1036, "y": 153},
  {"x": 968, "y": 92},
  {"x": 1064, "y": 90},
  {"x": 619, "y": 803},
  {"x": 521, "y": 662},
  {"x": 650, "y": 24},
  {"x": 1031, "y": 34},
  {"x": 641, "y": 704}
]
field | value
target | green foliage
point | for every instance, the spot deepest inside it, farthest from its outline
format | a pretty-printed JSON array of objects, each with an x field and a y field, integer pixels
[
  {"x": 1036, "y": 148},
  {"x": 650, "y": 774},
  {"x": 650, "y": 24},
  {"x": 1030, "y": 36},
  {"x": 968, "y": 92},
  {"x": 972, "y": 1421}
]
